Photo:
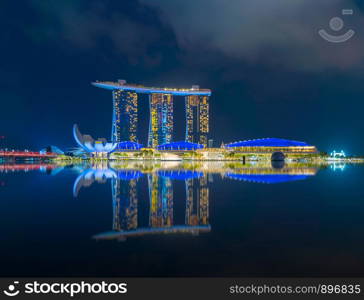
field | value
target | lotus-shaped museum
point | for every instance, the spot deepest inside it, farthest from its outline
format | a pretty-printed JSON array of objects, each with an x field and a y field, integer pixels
[{"x": 98, "y": 147}]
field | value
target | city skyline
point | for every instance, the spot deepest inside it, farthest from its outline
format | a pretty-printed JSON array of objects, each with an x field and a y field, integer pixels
[{"x": 259, "y": 91}]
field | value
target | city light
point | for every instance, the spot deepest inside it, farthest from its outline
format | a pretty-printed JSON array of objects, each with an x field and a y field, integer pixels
[
  {"x": 335, "y": 154},
  {"x": 125, "y": 113}
]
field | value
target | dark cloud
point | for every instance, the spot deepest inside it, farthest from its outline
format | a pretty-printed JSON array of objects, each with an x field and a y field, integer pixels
[
  {"x": 282, "y": 33},
  {"x": 86, "y": 25}
]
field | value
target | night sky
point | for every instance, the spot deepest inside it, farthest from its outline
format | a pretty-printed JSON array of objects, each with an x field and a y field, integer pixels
[{"x": 270, "y": 73}]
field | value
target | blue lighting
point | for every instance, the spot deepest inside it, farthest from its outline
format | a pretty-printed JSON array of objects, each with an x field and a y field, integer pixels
[
  {"x": 335, "y": 167},
  {"x": 154, "y": 230},
  {"x": 145, "y": 90},
  {"x": 126, "y": 145},
  {"x": 269, "y": 179},
  {"x": 180, "y": 174},
  {"x": 267, "y": 142},
  {"x": 180, "y": 146},
  {"x": 87, "y": 143},
  {"x": 129, "y": 174},
  {"x": 340, "y": 154}
]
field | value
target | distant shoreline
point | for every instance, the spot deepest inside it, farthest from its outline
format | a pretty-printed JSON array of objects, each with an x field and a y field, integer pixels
[{"x": 212, "y": 156}]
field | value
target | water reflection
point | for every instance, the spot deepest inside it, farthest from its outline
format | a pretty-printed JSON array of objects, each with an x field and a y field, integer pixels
[
  {"x": 89, "y": 176},
  {"x": 279, "y": 172},
  {"x": 161, "y": 178},
  {"x": 337, "y": 166},
  {"x": 124, "y": 185},
  {"x": 26, "y": 167}
]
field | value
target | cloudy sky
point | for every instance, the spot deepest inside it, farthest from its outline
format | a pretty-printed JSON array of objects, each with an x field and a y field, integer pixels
[{"x": 271, "y": 74}]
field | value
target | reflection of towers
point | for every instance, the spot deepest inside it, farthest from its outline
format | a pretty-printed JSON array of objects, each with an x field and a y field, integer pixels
[
  {"x": 125, "y": 204},
  {"x": 197, "y": 201},
  {"x": 161, "y": 211},
  {"x": 125, "y": 116},
  {"x": 197, "y": 119},
  {"x": 161, "y": 119},
  {"x": 161, "y": 201}
]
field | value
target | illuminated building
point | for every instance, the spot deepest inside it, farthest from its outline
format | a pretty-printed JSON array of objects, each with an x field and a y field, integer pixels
[
  {"x": 98, "y": 148},
  {"x": 337, "y": 155},
  {"x": 271, "y": 145},
  {"x": 122, "y": 85},
  {"x": 197, "y": 119},
  {"x": 124, "y": 124},
  {"x": 125, "y": 116},
  {"x": 126, "y": 145},
  {"x": 179, "y": 146},
  {"x": 161, "y": 119}
]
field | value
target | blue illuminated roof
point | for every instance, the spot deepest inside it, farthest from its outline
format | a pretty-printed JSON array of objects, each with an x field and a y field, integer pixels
[
  {"x": 180, "y": 146},
  {"x": 127, "y": 145},
  {"x": 129, "y": 174},
  {"x": 149, "y": 90},
  {"x": 180, "y": 174},
  {"x": 267, "y": 142},
  {"x": 271, "y": 178}
]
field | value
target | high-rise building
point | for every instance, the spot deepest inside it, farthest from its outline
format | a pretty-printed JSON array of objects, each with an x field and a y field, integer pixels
[
  {"x": 125, "y": 116},
  {"x": 197, "y": 119},
  {"x": 161, "y": 119},
  {"x": 125, "y": 112}
]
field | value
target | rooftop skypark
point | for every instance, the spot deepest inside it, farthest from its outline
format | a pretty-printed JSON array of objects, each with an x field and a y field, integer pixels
[
  {"x": 122, "y": 85},
  {"x": 161, "y": 120}
]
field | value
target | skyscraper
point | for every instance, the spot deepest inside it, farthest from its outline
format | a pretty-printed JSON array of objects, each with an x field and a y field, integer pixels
[
  {"x": 125, "y": 112},
  {"x": 197, "y": 119},
  {"x": 161, "y": 119},
  {"x": 125, "y": 116}
]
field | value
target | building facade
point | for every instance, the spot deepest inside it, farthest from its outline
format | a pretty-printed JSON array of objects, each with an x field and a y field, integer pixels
[
  {"x": 197, "y": 119},
  {"x": 125, "y": 116},
  {"x": 96, "y": 148},
  {"x": 161, "y": 119},
  {"x": 271, "y": 145}
]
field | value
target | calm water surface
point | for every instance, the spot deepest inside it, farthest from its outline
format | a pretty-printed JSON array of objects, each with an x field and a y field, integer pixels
[{"x": 172, "y": 219}]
